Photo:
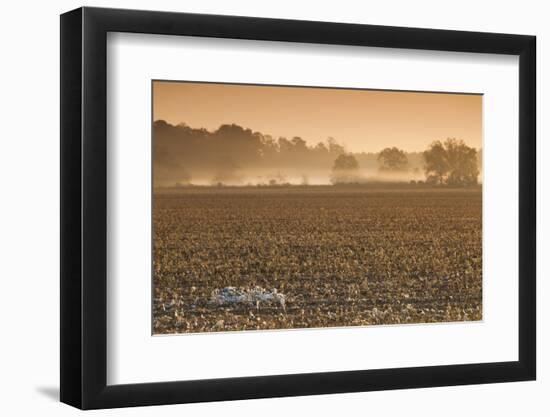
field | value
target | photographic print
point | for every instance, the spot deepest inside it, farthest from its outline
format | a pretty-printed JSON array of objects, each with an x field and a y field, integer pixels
[{"x": 286, "y": 207}]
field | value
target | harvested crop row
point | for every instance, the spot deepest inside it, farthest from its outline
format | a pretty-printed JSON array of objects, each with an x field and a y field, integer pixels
[{"x": 340, "y": 256}]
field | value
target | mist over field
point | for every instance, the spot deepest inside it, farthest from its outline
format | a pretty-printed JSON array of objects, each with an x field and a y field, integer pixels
[{"x": 235, "y": 155}]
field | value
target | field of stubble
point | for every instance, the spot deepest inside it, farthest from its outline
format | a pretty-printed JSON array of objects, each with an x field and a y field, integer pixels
[{"x": 340, "y": 256}]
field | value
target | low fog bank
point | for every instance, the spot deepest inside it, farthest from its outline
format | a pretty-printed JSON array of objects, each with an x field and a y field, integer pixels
[
  {"x": 266, "y": 178},
  {"x": 236, "y": 156}
]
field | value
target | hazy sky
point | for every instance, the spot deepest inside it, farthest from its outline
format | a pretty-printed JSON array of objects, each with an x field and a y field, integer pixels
[{"x": 363, "y": 120}]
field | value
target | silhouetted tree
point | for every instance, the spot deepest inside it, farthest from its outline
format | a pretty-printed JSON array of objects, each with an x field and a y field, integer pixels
[
  {"x": 345, "y": 169},
  {"x": 451, "y": 163},
  {"x": 392, "y": 159},
  {"x": 436, "y": 166},
  {"x": 334, "y": 148}
]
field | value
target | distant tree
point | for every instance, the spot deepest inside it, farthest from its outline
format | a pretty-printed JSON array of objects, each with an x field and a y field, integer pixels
[
  {"x": 299, "y": 144},
  {"x": 285, "y": 146},
  {"x": 334, "y": 147},
  {"x": 321, "y": 148},
  {"x": 392, "y": 159},
  {"x": 345, "y": 169},
  {"x": 451, "y": 163},
  {"x": 436, "y": 166}
]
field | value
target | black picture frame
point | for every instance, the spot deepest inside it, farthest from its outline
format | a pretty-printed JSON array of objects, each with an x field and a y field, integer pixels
[{"x": 84, "y": 207}]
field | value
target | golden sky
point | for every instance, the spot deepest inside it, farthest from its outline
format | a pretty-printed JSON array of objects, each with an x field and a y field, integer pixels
[{"x": 363, "y": 120}]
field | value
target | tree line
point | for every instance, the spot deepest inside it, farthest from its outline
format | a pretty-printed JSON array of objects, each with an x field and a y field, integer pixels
[
  {"x": 183, "y": 154},
  {"x": 450, "y": 163}
]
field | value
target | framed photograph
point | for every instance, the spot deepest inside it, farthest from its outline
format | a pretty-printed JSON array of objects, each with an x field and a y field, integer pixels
[{"x": 256, "y": 208}]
